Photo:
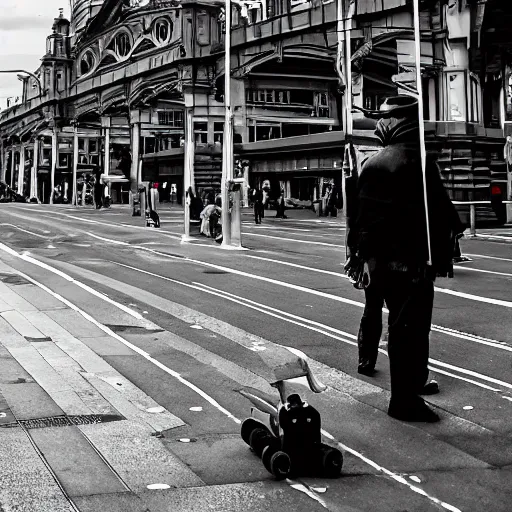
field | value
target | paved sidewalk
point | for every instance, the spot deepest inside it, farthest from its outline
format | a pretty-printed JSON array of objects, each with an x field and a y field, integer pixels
[{"x": 70, "y": 425}]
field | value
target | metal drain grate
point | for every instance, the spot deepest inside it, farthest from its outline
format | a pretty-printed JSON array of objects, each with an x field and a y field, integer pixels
[{"x": 64, "y": 421}]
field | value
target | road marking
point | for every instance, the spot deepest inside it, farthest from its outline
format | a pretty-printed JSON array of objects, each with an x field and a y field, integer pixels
[
  {"x": 24, "y": 230},
  {"x": 261, "y": 226},
  {"x": 488, "y": 257},
  {"x": 327, "y": 330},
  {"x": 309, "y": 242},
  {"x": 199, "y": 391},
  {"x": 483, "y": 271},
  {"x": 463, "y": 295}
]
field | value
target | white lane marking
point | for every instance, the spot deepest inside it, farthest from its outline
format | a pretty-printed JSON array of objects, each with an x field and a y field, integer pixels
[
  {"x": 477, "y": 298},
  {"x": 295, "y": 240},
  {"x": 262, "y": 226},
  {"x": 451, "y": 332},
  {"x": 321, "y": 328},
  {"x": 307, "y": 491},
  {"x": 472, "y": 373},
  {"x": 483, "y": 271},
  {"x": 24, "y": 230},
  {"x": 169, "y": 234},
  {"x": 209, "y": 399},
  {"x": 196, "y": 409},
  {"x": 158, "y": 486},
  {"x": 497, "y": 237},
  {"x": 487, "y": 257},
  {"x": 468, "y": 407},
  {"x": 28, "y": 258},
  {"x": 133, "y": 347}
]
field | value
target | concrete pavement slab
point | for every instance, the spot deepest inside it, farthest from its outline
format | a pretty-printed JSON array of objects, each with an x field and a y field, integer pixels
[
  {"x": 29, "y": 401},
  {"x": 14, "y": 300},
  {"x": 131, "y": 402},
  {"x": 119, "y": 502},
  {"x": 139, "y": 458},
  {"x": 254, "y": 497},
  {"x": 75, "y": 323},
  {"x": 4, "y": 306},
  {"x": 79, "y": 468},
  {"x": 107, "y": 346},
  {"x": 9, "y": 337},
  {"x": 11, "y": 372},
  {"x": 26, "y": 485},
  {"x": 38, "y": 297}
]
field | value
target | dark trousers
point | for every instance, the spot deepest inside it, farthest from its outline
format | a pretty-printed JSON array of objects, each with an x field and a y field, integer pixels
[
  {"x": 410, "y": 302},
  {"x": 259, "y": 211},
  {"x": 370, "y": 329}
]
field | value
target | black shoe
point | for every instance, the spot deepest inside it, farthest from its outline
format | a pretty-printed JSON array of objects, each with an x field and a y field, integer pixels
[
  {"x": 419, "y": 412},
  {"x": 366, "y": 369},
  {"x": 430, "y": 388}
]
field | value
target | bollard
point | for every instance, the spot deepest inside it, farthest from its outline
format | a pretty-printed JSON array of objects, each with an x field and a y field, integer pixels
[{"x": 472, "y": 219}]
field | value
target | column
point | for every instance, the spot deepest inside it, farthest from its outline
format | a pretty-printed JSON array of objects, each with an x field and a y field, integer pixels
[
  {"x": 34, "y": 194},
  {"x": 5, "y": 159},
  {"x": 13, "y": 165},
  {"x": 105, "y": 123},
  {"x": 135, "y": 147},
  {"x": 74, "y": 200},
  {"x": 188, "y": 168},
  {"x": 21, "y": 171},
  {"x": 55, "y": 141}
]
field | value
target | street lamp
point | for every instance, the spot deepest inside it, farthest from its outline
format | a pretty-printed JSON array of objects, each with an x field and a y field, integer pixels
[{"x": 40, "y": 87}]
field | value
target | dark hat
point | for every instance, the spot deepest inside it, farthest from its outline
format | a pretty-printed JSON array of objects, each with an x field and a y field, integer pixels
[{"x": 395, "y": 106}]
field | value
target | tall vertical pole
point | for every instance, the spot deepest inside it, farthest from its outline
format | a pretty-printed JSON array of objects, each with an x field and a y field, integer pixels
[
  {"x": 54, "y": 162},
  {"x": 227, "y": 146},
  {"x": 188, "y": 170},
  {"x": 13, "y": 165},
  {"x": 419, "y": 89},
  {"x": 105, "y": 121},
  {"x": 75, "y": 166}
]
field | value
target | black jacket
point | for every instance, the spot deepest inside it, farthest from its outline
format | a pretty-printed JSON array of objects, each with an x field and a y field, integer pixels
[{"x": 389, "y": 222}]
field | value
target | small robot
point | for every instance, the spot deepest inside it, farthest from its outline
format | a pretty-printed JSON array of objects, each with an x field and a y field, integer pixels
[{"x": 290, "y": 445}]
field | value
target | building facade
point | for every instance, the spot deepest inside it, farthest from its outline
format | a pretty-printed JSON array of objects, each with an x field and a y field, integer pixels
[{"x": 125, "y": 86}]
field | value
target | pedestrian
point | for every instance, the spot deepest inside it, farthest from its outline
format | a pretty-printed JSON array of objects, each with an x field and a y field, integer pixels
[
  {"x": 388, "y": 253},
  {"x": 98, "y": 191},
  {"x": 280, "y": 206},
  {"x": 259, "y": 211}
]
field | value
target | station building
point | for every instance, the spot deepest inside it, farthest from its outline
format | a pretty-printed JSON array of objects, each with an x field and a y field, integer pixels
[{"x": 125, "y": 86}]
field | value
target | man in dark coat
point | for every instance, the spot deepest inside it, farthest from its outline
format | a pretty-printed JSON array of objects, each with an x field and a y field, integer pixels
[{"x": 388, "y": 251}]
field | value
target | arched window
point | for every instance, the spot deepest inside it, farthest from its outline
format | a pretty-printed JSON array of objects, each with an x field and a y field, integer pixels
[
  {"x": 162, "y": 30},
  {"x": 123, "y": 44},
  {"x": 87, "y": 62}
]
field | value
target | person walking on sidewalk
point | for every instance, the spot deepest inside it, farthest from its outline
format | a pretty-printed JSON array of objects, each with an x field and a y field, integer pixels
[
  {"x": 259, "y": 211},
  {"x": 389, "y": 249}
]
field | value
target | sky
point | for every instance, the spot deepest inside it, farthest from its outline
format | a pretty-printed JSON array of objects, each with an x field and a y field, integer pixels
[{"x": 24, "y": 27}]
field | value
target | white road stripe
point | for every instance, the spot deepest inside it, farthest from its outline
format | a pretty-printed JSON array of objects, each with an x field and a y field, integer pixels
[
  {"x": 309, "y": 242},
  {"x": 488, "y": 257},
  {"x": 469, "y": 296},
  {"x": 24, "y": 230},
  {"x": 322, "y": 328},
  {"x": 207, "y": 397},
  {"x": 483, "y": 271}
]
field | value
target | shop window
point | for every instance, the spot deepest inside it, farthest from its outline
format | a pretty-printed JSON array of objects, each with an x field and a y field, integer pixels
[
  {"x": 64, "y": 160},
  {"x": 218, "y": 133},
  {"x": 46, "y": 156},
  {"x": 174, "y": 118},
  {"x": 201, "y": 133},
  {"x": 319, "y": 128}
]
